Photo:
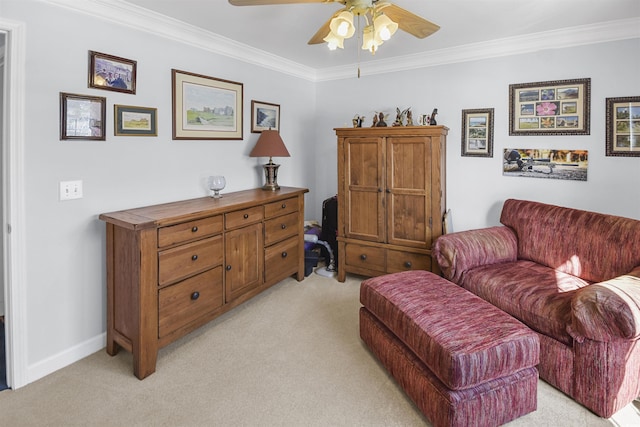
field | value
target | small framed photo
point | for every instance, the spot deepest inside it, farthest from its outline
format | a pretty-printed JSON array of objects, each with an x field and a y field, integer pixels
[
  {"x": 477, "y": 132},
  {"x": 205, "y": 107},
  {"x": 264, "y": 116},
  {"x": 82, "y": 117},
  {"x": 560, "y": 107},
  {"x": 623, "y": 126},
  {"x": 110, "y": 72},
  {"x": 135, "y": 121}
]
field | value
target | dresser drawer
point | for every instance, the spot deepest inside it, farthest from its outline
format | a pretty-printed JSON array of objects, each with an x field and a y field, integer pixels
[
  {"x": 245, "y": 216},
  {"x": 187, "y": 231},
  {"x": 183, "y": 261},
  {"x": 281, "y": 260},
  {"x": 403, "y": 261},
  {"x": 368, "y": 257},
  {"x": 280, "y": 228},
  {"x": 280, "y": 208},
  {"x": 186, "y": 301}
]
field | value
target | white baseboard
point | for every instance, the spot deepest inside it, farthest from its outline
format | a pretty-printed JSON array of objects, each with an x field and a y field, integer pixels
[{"x": 65, "y": 358}]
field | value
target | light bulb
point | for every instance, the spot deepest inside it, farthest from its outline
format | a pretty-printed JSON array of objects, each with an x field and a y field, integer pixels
[
  {"x": 343, "y": 28},
  {"x": 385, "y": 34}
]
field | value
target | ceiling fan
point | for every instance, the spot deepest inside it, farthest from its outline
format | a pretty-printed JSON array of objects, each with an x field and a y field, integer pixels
[{"x": 382, "y": 19}]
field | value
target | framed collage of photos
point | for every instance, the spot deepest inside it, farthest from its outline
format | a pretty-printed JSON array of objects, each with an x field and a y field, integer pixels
[
  {"x": 477, "y": 133},
  {"x": 560, "y": 107},
  {"x": 623, "y": 126}
]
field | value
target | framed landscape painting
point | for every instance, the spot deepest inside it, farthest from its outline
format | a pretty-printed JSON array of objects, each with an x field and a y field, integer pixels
[
  {"x": 205, "y": 107},
  {"x": 623, "y": 126},
  {"x": 135, "y": 121},
  {"x": 560, "y": 107},
  {"x": 264, "y": 116}
]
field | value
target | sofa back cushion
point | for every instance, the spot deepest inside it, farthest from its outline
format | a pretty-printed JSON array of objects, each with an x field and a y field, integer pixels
[{"x": 590, "y": 245}]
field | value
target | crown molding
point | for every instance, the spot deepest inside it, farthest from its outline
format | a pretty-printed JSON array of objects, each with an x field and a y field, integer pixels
[
  {"x": 558, "y": 39},
  {"x": 123, "y": 13}
]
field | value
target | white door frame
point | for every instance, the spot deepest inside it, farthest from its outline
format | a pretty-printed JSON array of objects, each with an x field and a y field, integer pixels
[{"x": 13, "y": 215}]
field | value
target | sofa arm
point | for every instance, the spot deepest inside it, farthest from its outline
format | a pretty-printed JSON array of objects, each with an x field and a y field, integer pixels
[
  {"x": 607, "y": 310},
  {"x": 464, "y": 250}
]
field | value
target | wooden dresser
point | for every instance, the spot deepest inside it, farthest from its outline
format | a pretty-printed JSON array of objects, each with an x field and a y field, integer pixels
[
  {"x": 173, "y": 267},
  {"x": 391, "y": 198}
]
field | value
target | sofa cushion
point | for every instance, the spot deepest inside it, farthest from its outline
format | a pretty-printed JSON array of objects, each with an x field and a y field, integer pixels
[
  {"x": 462, "y": 339},
  {"x": 590, "y": 245},
  {"x": 537, "y": 295}
]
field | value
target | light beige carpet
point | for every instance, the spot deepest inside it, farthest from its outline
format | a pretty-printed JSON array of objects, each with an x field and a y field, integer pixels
[{"x": 290, "y": 357}]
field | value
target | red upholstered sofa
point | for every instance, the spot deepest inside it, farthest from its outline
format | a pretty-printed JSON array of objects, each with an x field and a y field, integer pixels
[{"x": 572, "y": 276}]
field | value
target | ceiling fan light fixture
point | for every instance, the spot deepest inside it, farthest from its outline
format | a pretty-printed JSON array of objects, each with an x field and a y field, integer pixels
[
  {"x": 384, "y": 26},
  {"x": 371, "y": 39},
  {"x": 334, "y": 41},
  {"x": 342, "y": 25}
]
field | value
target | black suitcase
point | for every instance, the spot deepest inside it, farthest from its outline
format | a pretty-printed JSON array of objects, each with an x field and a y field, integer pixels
[{"x": 329, "y": 231}]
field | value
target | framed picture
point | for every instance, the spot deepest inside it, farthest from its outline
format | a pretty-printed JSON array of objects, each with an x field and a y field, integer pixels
[
  {"x": 623, "y": 126},
  {"x": 568, "y": 165},
  {"x": 110, "y": 72},
  {"x": 82, "y": 117},
  {"x": 135, "y": 121},
  {"x": 264, "y": 116},
  {"x": 560, "y": 107},
  {"x": 205, "y": 107},
  {"x": 477, "y": 132}
]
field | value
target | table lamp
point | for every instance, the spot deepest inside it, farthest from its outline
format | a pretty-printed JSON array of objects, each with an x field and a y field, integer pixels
[{"x": 269, "y": 145}]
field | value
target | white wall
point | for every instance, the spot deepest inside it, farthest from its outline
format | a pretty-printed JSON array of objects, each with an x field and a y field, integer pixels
[
  {"x": 65, "y": 241},
  {"x": 475, "y": 186},
  {"x": 65, "y": 286}
]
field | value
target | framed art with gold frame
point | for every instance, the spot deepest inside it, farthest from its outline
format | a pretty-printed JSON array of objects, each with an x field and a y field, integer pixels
[
  {"x": 134, "y": 121},
  {"x": 205, "y": 107}
]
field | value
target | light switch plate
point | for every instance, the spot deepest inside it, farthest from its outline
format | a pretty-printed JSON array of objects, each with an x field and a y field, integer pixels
[{"x": 70, "y": 190}]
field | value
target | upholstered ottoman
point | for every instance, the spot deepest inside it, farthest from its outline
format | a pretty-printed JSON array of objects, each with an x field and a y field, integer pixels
[{"x": 461, "y": 360}]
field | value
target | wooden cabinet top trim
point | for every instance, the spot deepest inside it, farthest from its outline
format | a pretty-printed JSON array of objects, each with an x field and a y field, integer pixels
[
  {"x": 186, "y": 210},
  {"x": 393, "y": 131}
]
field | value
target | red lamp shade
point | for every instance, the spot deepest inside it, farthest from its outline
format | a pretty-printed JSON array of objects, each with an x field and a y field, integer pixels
[{"x": 269, "y": 145}]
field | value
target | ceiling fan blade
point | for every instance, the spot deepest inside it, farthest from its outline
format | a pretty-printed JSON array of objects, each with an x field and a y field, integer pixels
[
  {"x": 319, "y": 36},
  {"x": 410, "y": 22},
  {"x": 268, "y": 2}
]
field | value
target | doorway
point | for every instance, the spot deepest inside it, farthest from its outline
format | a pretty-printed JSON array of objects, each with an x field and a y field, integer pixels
[
  {"x": 3, "y": 354},
  {"x": 12, "y": 250}
]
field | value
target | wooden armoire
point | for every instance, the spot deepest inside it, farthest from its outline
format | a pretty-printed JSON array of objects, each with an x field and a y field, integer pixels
[{"x": 391, "y": 198}]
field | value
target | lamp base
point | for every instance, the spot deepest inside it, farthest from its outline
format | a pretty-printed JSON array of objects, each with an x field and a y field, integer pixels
[{"x": 271, "y": 176}]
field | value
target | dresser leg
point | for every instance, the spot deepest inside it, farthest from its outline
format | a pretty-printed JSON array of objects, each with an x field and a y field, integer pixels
[{"x": 144, "y": 362}]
